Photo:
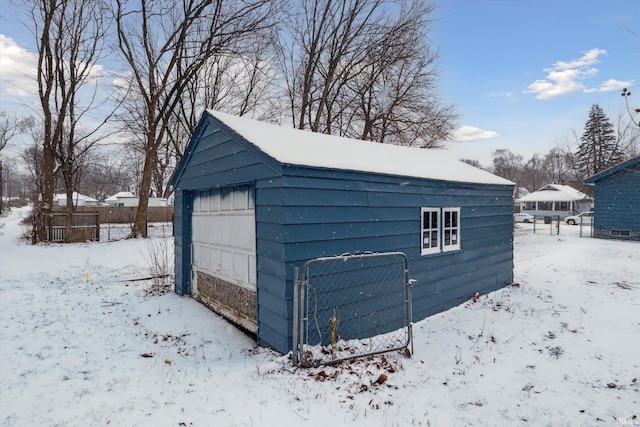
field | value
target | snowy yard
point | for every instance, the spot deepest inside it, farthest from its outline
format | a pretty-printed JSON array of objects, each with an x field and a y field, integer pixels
[{"x": 82, "y": 346}]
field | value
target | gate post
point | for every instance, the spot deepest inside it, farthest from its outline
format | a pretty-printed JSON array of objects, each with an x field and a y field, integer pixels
[{"x": 297, "y": 317}]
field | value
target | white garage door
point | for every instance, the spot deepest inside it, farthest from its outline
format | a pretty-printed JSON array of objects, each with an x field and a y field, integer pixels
[{"x": 224, "y": 235}]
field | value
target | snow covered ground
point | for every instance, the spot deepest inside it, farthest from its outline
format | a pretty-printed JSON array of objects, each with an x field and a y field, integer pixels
[{"x": 82, "y": 346}]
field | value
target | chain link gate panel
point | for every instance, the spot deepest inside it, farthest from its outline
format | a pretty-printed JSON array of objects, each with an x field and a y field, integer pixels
[{"x": 351, "y": 306}]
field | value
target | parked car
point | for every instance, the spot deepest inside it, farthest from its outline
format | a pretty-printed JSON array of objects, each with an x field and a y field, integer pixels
[
  {"x": 523, "y": 217},
  {"x": 584, "y": 218}
]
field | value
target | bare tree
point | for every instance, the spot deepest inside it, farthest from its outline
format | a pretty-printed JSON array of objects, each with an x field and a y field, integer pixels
[
  {"x": 32, "y": 157},
  {"x": 628, "y": 137},
  {"x": 107, "y": 173},
  {"x": 238, "y": 80},
  {"x": 363, "y": 68},
  {"x": 473, "y": 162},
  {"x": 159, "y": 40},
  {"x": 323, "y": 43},
  {"x": 395, "y": 87},
  {"x": 70, "y": 36},
  {"x": 10, "y": 126},
  {"x": 507, "y": 164},
  {"x": 558, "y": 165},
  {"x": 10, "y": 173},
  {"x": 626, "y": 94},
  {"x": 533, "y": 175}
]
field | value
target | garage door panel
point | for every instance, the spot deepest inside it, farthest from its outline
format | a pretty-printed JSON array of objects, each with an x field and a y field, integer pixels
[
  {"x": 224, "y": 238},
  {"x": 234, "y": 231},
  {"x": 214, "y": 259},
  {"x": 214, "y": 201}
]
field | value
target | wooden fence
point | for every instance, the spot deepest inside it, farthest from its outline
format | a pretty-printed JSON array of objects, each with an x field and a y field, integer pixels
[
  {"x": 85, "y": 224},
  {"x": 127, "y": 214}
]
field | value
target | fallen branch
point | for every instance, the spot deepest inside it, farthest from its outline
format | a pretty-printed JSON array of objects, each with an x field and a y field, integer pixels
[{"x": 140, "y": 279}]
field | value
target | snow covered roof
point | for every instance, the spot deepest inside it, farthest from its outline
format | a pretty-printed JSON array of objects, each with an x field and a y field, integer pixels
[
  {"x": 305, "y": 148},
  {"x": 76, "y": 196},
  {"x": 555, "y": 193},
  {"x": 120, "y": 195}
]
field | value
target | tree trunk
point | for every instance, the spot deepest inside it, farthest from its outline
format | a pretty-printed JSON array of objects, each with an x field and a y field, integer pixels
[
  {"x": 68, "y": 217},
  {"x": 48, "y": 188},
  {"x": 139, "y": 228}
]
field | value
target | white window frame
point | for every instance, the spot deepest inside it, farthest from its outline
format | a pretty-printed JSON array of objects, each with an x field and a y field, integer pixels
[
  {"x": 426, "y": 233},
  {"x": 443, "y": 228},
  {"x": 451, "y": 229}
]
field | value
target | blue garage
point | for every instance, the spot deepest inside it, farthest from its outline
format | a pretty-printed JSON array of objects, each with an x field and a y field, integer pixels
[
  {"x": 617, "y": 201},
  {"x": 254, "y": 200}
]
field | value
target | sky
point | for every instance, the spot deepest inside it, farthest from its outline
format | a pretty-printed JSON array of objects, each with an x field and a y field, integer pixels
[{"x": 522, "y": 74}]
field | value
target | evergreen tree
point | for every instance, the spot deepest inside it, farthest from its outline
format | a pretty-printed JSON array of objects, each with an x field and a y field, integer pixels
[{"x": 598, "y": 149}]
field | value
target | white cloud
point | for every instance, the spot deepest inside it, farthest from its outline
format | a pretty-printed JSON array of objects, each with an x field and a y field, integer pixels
[
  {"x": 566, "y": 77},
  {"x": 18, "y": 72},
  {"x": 17, "y": 69},
  {"x": 471, "y": 133},
  {"x": 589, "y": 58},
  {"x": 611, "y": 85}
]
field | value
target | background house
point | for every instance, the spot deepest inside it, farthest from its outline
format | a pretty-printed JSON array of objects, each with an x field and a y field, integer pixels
[
  {"x": 126, "y": 198},
  {"x": 254, "y": 200},
  {"x": 617, "y": 201},
  {"x": 122, "y": 198},
  {"x": 78, "y": 200},
  {"x": 555, "y": 200}
]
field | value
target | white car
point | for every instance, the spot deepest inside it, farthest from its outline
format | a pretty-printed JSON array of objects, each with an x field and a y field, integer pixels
[
  {"x": 582, "y": 218},
  {"x": 524, "y": 217}
]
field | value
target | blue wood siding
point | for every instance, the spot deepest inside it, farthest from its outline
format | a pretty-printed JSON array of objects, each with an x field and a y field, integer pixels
[
  {"x": 275, "y": 309},
  {"x": 617, "y": 203},
  {"x": 327, "y": 213},
  {"x": 182, "y": 244}
]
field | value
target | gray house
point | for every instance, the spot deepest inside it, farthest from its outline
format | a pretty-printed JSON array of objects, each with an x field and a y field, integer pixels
[
  {"x": 617, "y": 201},
  {"x": 253, "y": 200}
]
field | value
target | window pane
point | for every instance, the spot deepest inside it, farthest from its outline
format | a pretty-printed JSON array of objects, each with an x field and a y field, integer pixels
[
  {"x": 434, "y": 239},
  {"x": 451, "y": 231},
  {"x": 434, "y": 220}
]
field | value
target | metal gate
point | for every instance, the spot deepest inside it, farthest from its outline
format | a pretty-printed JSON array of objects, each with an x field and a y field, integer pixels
[{"x": 351, "y": 306}]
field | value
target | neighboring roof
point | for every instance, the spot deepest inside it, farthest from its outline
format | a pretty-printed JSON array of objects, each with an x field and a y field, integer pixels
[
  {"x": 305, "y": 148},
  {"x": 632, "y": 162},
  {"x": 120, "y": 195},
  {"x": 555, "y": 193},
  {"x": 76, "y": 196}
]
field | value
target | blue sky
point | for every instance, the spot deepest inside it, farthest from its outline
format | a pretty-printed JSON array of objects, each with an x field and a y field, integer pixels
[
  {"x": 523, "y": 74},
  {"x": 529, "y": 71}
]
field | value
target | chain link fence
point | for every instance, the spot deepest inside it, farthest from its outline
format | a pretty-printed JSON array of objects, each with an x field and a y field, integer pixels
[{"x": 351, "y": 306}]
